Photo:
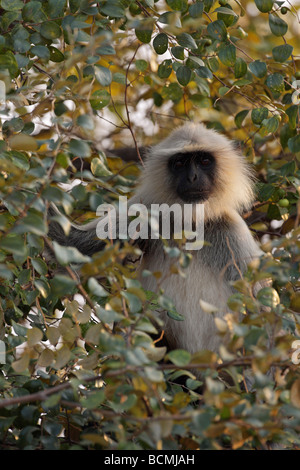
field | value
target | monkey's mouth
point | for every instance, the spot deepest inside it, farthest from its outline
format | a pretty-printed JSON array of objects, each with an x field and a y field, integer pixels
[{"x": 194, "y": 196}]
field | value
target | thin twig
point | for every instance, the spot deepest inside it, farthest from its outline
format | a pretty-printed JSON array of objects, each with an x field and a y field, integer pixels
[{"x": 127, "y": 110}]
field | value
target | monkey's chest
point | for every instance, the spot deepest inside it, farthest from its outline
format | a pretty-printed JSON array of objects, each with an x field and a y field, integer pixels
[{"x": 200, "y": 283}]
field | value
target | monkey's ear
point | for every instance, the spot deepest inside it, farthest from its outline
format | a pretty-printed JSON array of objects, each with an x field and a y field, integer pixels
[{"x": 236, "y": 145}]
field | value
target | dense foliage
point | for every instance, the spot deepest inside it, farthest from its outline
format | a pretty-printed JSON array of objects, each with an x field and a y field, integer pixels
[{"x": 79, "y": 80}]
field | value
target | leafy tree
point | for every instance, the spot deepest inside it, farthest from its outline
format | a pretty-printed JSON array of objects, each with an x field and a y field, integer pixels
[{"x": 81, "y": 80}]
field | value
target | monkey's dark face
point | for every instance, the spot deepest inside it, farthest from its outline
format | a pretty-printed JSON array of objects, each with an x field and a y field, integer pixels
[{"x": 193, "y": 175}]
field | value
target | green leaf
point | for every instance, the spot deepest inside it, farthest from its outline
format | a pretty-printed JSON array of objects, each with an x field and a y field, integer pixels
[
  {"x": 40, "y": 266},
  {"x": 172, "y": 92},
  {"x": 213, "y": 64},
  {"x": 69, "y": 254},
  {"x": 160, "y": 43},
  {"x": 292, "y": 113},
  {"x": 93, "y": 400},
  {"x": 55, "y": 54},
  {"x": 268, "y": 297},
  {"x": 165, "y": 69},
  {"x": 269, "y": 126},
  {"x": 103, "y": 75},
  {"x": 119, "y": 77},
  {"x": 258, "y": 68},
  {"x": 242, "y": 82},
  {"x": 226, "y": 11},
  {"x": 217, "y": 30},
  {"x": 178, "y": 52},
  {"x": 96, "y": 289},
  {"x": 223, "y": 90},
  {"x": 8, "y": 61},
  {"x": 56, "y": 8},
  {"x": 41, "y": 51},
  {"x": 194, "y": 62},
  {"x": 294, "y": 144},
  {"x": 171, "y": 18},
  {"x": 285, "y": 134},
  {"x": 186, "y": 40},
  {"x": 141, "y": 65},
  {"x": 113, "y": 9},
  {"x": 86, "y": 121},
  {"x": 239, "y": 118},
  {"x": 168, "y": 305},
  {"x": 227, "y": 55},
  {"x": 258, "y": 115},
  {"x": 183, "y": 75},
  {"x": 177, "y": 5},
  {"x": 106, "y": 49},
  {"x": 277, "y": 25},
  {"x": 79, "y": 148},
  {"x": 275, "y": 82},
  {"x": 13, "y": 125},
  {"x": 240, "y": 68},
  {"x": 196, "y": 9},
  {"x": 14, "y": 244},
  {"x": 282, "y": 53},
  {"x": 133, "y": 301},
  {"x": 154, "y": 375},
  {"x": 266, "y": 191},
  {"x": 264, "y": 5},
  {"x": 11, "y": 5},
  {"x": 20, "y": 160},
  {"x": 179, "y": 357},
  {"x": 43, "y": 287},
  {"x": 204, "y": 72},
  {"x": 32, "y": 12},
  {"x": 144, "y": 35},
  {"x": 202, "y": 420},
  {"x": 227, "y": 15},
  {"x": 20, "y": 40},
  {"x": 33, "y": 223},
  {"x": 50, "y": 30},
  {"x": 100, "y": 99}
]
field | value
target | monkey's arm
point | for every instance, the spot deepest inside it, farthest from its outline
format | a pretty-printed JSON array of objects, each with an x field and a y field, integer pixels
[
  {"x": 84, "y": 237},
  {"x": 230, "y": 247}
]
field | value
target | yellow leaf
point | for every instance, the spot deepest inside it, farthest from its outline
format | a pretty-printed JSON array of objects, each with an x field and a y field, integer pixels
[
  {"x": 23, "y": 142},
  {"x": 53, "y": 334},
  {"x": 62, "y": 357},
  {"x": 46, "y": 358},
  {"x": 34, "y": 336},
  {"x": 295, "y": 393},
  {"x": 21, "y": 364}
]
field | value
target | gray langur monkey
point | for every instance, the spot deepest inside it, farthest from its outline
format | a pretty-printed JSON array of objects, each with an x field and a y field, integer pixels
[{"x": 192, "y": 165}]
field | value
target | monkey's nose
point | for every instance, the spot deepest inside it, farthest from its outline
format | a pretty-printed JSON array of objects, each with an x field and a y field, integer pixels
[{"x": 192, "y": 176}]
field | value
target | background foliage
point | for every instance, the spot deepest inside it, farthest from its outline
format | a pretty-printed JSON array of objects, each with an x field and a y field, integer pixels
[{"x": 84, "y": 79}]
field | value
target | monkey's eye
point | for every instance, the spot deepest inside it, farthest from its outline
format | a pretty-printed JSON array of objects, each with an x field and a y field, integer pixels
[
  {"x": 205, "y": 161},
  {"x": 178, "y": 164}
]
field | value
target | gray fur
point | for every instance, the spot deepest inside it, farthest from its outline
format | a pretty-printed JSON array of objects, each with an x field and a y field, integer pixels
[{"x": 229, "y": 244}]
